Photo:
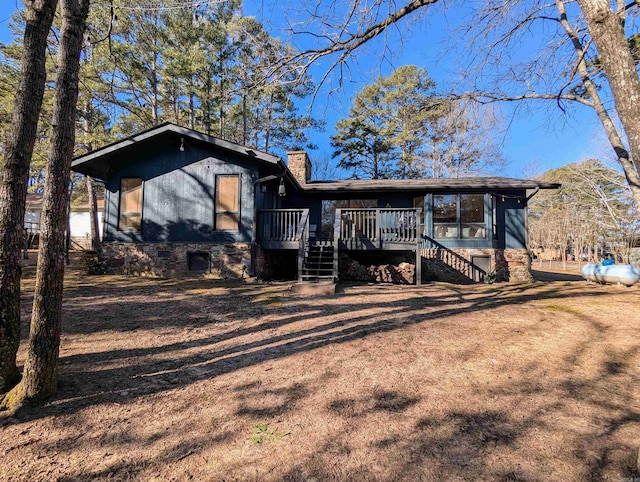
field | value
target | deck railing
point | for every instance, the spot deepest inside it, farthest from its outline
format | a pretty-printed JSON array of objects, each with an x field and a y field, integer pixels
[
  {"x": 281, "y": 224},
  {"x": 431, "y": 249},
  {"x": 386, "y": 225}
]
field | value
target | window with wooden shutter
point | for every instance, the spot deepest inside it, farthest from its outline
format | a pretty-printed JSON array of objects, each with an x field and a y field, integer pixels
[
  {"x": 130, "y": 217},
  {"x": 227, "y": 203}
]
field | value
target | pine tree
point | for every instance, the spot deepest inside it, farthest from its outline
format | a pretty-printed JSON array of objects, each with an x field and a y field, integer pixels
[
  {"x": 40, "y": 375},
  {"x": 14, "y": 174},
  {"x": 387, "y": 125}
]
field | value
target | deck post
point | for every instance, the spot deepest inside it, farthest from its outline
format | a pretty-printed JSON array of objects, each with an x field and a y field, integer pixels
[
  {"x": 336, "y": 242},
  {"x": 379, "y": 227},
  {"x": 302, "y": 240},
  {"x": 419, "y": 230},
  {"x": 418, "y": 265}
]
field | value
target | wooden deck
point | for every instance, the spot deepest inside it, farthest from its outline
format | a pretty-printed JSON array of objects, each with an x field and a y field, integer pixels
[
  {"x": 381, "y": 229},
  {"x": 354, "y": 229}
]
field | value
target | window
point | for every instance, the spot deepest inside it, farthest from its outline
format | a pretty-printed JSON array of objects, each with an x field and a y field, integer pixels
[
  {"x": 494, "y": 218},
  {"x": 472, "y": 216},
  {"x": 459, "y": 216},
  {"x": 130, "y": 204},
  {"x": 445, "y": 216},
  {"x": 227, "y": 205}
]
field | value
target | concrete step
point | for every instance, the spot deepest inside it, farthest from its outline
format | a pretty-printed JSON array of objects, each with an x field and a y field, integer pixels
[{"x": 314, "y": 288}]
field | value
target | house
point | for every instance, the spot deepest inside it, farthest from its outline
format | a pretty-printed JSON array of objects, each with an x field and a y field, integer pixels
[
  {"x": 79, "y": 220},
  {"x": 178, "y": 201}
]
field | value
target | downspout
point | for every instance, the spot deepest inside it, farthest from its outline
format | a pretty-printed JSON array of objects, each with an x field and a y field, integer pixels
[{"x": 526, "y": 221}]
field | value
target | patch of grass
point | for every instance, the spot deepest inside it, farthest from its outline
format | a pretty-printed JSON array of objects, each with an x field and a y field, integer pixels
[
  {"x": 261, "y": 433},
  {"x": 270, "y": 297},
  {"x": 563, "y": 309}
]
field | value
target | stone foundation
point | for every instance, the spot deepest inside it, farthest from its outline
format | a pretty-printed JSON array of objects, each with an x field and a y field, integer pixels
[
  {"x": 515, "y": 264},
  {"x": 504, "y": 265},
  {"x": 440, "y": 265},
  {"x": 172, "y": 259}
]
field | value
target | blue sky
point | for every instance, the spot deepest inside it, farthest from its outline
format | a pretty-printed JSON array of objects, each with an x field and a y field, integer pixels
[{"x": 537, "y": 139}]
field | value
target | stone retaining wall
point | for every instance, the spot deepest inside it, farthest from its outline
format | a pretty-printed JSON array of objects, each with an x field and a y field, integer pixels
[{"x": 171, "y": 259}]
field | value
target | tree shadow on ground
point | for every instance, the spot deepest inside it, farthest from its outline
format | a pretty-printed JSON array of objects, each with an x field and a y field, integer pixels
[
  {"x": 455, "y": 444},
  {"x": 93, "y": 377},
  {"x": 469, "y": 445},
  {"x": 547, "y": 276}
]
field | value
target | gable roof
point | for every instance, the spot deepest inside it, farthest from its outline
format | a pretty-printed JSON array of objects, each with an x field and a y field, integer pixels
[{"x": 96, "y": 163}]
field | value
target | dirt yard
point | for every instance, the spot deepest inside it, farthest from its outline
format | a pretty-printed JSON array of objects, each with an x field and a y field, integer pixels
[{"x": 201, "y": 380}]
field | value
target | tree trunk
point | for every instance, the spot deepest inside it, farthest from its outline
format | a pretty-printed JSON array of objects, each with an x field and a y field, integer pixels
[
  {"x": 244, "y": 117},
  {"x": 192, "y": 108},
  {"x": 93, "y": 215},
  {"x": 14, "y": 174},
  {"x": 607, "y": 30},
  {"x": 40, "y": 376},
  {"x": 67, "y": 228},
  {"x": 87, "y": 127},
  {"x": 208, "y": 108},
  {"x": 221, "y": 112}
]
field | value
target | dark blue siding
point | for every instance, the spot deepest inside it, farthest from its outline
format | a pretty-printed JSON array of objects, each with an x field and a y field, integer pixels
[
  {"x": 515, "y": 231},
  {"x": 178, "y": 196}
]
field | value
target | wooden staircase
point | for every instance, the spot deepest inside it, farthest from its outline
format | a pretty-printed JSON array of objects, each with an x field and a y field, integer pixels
[
  {"x": 458, "y": 268},
  {"x": 317, "y": 264}
]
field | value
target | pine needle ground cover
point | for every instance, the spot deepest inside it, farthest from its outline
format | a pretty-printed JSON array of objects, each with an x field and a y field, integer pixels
[{"x": 204, "y": 380}]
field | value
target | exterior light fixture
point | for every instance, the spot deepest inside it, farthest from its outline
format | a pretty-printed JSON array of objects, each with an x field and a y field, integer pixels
[
  {"x": 281, "y": 190},
  {"x": 182, "y": 144}
]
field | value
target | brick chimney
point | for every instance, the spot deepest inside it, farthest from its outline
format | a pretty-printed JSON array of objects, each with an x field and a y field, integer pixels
[{"x": 299, "y": 165}]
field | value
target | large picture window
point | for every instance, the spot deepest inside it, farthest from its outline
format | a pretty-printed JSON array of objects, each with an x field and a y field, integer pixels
[
  {"x": 445, "y": 216},
  {"x": 130, "y": 217},
  {"x": 459, "y": 216},
  {"x": 227, "y": 205}
]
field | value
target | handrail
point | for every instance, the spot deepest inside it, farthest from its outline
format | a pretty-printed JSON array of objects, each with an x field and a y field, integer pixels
[
  {"x": 303, "y": 239},
  {"x": 453, "y": 259},
  {"x": 294, "y": 210},
  {"x": 379, "y": 225},
  {"x": 302, "y": 224}
]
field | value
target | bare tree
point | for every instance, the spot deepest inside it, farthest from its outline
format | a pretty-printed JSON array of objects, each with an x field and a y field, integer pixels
[
  {"x": 592, "y": 33},
  {"x": 41, "y": 368},
  {"x": 461, "y": 142},
  {"x": 591, "y": 213},
  {"x": 569, "y": 67},
  {"x": 14, "y": 173}
]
